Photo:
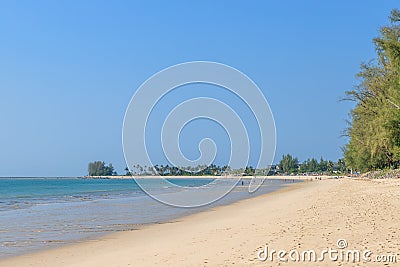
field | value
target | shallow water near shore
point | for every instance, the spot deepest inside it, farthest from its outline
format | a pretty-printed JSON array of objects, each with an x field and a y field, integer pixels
[{"x": 40, "y": 213}]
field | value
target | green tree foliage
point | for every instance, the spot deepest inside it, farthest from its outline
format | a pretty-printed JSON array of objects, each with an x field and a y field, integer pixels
[
  {"x": 313, "y": 166},
  {"x": 288, "y": 164},
  {"x": 127, "y": 172},
  {"x": 99, "y": 168},
  {"x": 166, "y": 170},
  {"x": 341, "y": 166},
  {"x": 249, "y": 171},
  {"x": 374, "y": 130}
]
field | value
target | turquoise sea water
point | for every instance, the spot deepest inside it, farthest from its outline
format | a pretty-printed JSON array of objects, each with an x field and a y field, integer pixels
[{"x": 38, "y": 213}]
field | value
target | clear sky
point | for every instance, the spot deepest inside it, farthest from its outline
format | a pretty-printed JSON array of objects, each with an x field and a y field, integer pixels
[{"x": 69, "y": 68}]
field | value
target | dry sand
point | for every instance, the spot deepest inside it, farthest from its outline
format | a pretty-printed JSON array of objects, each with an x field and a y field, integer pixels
[{"x": 311, "y": 215}]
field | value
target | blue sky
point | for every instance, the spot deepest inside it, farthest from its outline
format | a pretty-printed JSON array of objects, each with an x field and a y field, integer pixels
[{"x": 69, "y": 68}]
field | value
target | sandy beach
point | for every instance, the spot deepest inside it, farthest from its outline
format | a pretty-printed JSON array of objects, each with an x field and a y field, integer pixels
[{"x": 304, "y": 216}]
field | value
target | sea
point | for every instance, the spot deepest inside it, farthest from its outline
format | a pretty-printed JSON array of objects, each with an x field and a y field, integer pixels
[{"x": 42, "y": 213}]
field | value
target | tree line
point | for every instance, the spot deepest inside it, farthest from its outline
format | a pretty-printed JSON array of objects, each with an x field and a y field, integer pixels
[
  {"x": 287, "y": 165},
  {"x": 374, "y": 129},
  {"x": 291, "y": 165},
  {"x": 99, "y": 168},
  {"x": 200, "y": 170}
]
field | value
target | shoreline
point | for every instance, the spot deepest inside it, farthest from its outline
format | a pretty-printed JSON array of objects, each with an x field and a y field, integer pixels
[
  {"x": 105, "y": 236},
  {"x": 308, "y": 215},
  {"x": 132, "y": 226}
]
